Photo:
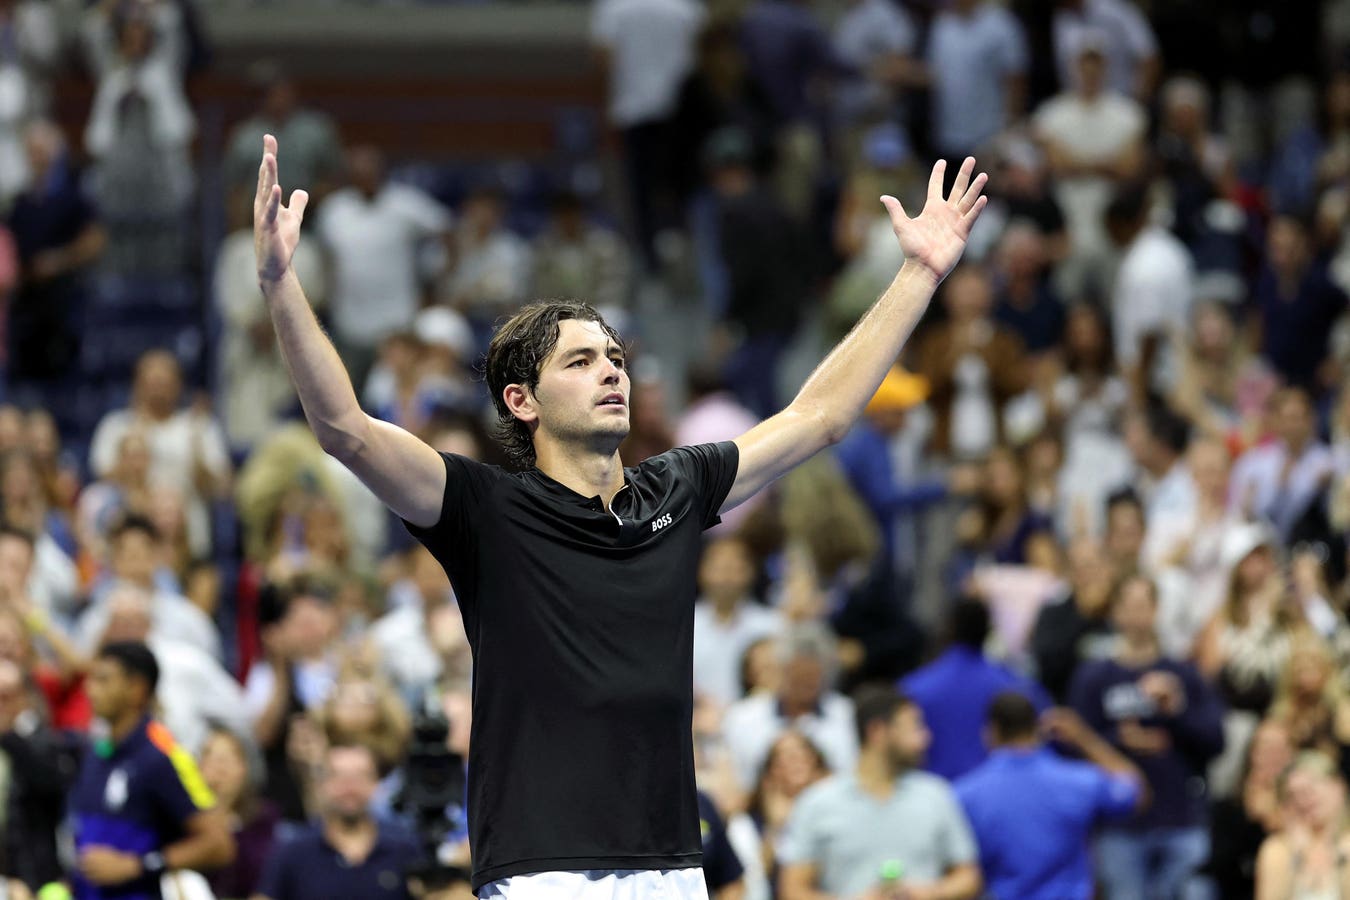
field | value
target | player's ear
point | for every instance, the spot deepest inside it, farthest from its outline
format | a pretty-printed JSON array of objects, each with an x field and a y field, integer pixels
[{"x": 521, "y": 402}]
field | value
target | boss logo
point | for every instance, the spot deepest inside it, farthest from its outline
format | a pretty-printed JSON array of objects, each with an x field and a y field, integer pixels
[{"x": 662, "y": 522}]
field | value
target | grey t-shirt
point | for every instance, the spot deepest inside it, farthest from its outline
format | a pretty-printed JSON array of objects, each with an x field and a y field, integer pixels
[{"x": 848, "y": 834}]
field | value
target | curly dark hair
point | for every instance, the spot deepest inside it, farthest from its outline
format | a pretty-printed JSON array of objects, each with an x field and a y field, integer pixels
[{"x": 516, "y": 355}]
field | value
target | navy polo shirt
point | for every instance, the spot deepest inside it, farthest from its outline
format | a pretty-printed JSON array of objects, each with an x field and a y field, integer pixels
[
  {"x": 721, "y": 866},
  {"x": 310, "y": 868},
  {"x": 137, "y": 798}
]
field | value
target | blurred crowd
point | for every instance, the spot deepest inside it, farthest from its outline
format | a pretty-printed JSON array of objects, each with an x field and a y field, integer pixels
[{"x": 1110, "y": 473}]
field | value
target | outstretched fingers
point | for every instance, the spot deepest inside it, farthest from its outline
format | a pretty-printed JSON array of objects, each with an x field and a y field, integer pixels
[
  {"x": 299, "y": 200},
  {"x": 962, "y": 181},
  {"x": 896, "y": 210},
  {"x": 972, "y": 193},
  {"x": 935, "y": 180},
  {"x": 969, "y": 216}
]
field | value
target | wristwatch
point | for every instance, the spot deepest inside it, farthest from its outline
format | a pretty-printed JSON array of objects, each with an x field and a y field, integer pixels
[{"x": 152, "y": 863}]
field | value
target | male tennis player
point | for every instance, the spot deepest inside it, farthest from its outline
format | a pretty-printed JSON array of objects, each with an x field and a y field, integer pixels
[{"x": 576, "y": 577}]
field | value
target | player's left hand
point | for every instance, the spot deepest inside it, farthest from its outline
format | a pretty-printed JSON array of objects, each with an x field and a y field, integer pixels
[
  {"x": 935, "y": 239},
  {"x": 105, "y": 866}
]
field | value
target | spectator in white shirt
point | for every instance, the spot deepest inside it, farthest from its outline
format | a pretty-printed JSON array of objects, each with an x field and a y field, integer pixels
[
  {"x": 187, "y": 446},
  {"x": 1152, "y": 296},
  {"x": 421, "y": 633},
  {"x": 195, "y": 694},
  {"x": 877, "y": 37},
  {"x": 977, "y": 57},
  {"x": 1130, "y": 46},
  {"x": 1094, "y": 138},
  {"x": 374, "y": 229},
  {"x": 803, "y": 702},
  {"x": 1157, "y": 440},
  {"x": 137, "y": 561},
  {"x": 1280, "y": 480},
  {"x": 256, "y": 389},
  {"x": 647, "y": 48},
  {"x": 726, "y": 619},
  {"x": 492, "y": 265}
]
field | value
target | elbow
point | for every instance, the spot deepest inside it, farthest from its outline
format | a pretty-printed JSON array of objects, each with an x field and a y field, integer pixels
[{"x": 344, "y": 441}]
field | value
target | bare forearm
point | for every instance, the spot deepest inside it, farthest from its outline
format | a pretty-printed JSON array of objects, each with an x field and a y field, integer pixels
[
  {"x": 841, "y": 385},
  {"x": 320, "y": 379},
  {"x": 205, "y": 851},
  {"x": 961, "y": 883}
]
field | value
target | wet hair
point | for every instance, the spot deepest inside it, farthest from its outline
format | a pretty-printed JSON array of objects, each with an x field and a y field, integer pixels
[{"x": 516, "y": 355}]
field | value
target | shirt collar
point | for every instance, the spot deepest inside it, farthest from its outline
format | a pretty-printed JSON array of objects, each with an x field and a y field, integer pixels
[
  {"x": 562, "y": 492},
  {"x": 818, "y": 710}
]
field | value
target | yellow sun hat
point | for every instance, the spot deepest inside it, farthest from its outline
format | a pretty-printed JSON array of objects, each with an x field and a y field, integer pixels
[{"x": 899, "y": 390}]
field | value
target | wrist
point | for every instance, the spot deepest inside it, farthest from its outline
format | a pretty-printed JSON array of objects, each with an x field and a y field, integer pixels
[
  {"x": 913, "y": 270},
  {"x": 151, "y": 864}
]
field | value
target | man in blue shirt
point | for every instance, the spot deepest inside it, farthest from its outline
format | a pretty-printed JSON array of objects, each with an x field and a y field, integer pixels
[
  {"x": 1054, "y": 801},
  {"x": 348, "y": 853},
  {"x": 954, "y": 692},
  {"x": 139, "y": 807}
]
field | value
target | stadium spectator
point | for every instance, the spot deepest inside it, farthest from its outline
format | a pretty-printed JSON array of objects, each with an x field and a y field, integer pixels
[
  {"x": 974, "y": 366},
  {"x": 233, "y": 772},
  {"x": 722, "y": 869},
  {"x": 491, "y": 269},
  {"x": 187, "y": 446},
  {"x": 348, "y": 852},
  {"x": 1241, "y": 823},
  {"x": 1296, "y": 305},
  {"x": 954, "y": 692},
  {"x": 1305, "y": 857},
  {"x": 792, "y": 766},
  {"x": 1168, "y": 721},
  {"x": 1057, "y": 802},
  {"x": 423, "y": 634},
  {"x": 803, "y": 702},
  {"x": 884, "y": 821},
  {"x": 195, "y": 692},
  {"x": 39, "y": 773},
  {"x": 1077, "y": 628},
  {"x": 727, "y": 619},
  {"x": 1129, "y": 46},
  {"x": 575, "y": 257},
  {"x": 313, "y": 148},
  {"x": 1280, "y": 480},
  {"x": 372, "y": 230},
  {"x": 977, "y": 61},
  {"x": 139, "y": 808}
]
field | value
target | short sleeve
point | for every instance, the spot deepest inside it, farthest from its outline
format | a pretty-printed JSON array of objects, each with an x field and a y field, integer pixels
[
  {"x": 803, "y": 840},
  {"x": 453, "y": 539},
  {"x": 957, "y": 840},
  {"x": 176, "y": 783},
  {"x": 426, "y": 216},
  {"x": 1116, "y": 795},
  {"x": 710, "y": 469}
]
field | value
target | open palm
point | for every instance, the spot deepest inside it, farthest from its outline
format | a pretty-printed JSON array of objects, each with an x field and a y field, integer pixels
[
  {"x": 936, "y": 238},
  {"x": 276, "y": 228}
]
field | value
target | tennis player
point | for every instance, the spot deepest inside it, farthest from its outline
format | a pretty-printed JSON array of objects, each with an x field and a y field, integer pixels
[{"x": 576, "y": 576}]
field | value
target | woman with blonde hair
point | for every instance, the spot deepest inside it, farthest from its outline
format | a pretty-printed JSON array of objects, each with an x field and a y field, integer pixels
[
  {"x": 1311, "y": 700},
  {"x": 1309, "y": 858}
]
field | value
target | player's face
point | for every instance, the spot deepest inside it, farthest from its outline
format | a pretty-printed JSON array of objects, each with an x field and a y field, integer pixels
[{"x": 583, "y": 390}]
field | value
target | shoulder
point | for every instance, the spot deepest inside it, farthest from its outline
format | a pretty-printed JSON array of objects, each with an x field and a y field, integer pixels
[
  {"x": 689, "y": 459},
  {"x": 822, "y": 795}
]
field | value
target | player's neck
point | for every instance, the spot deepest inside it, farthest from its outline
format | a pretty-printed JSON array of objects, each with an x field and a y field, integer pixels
[{"x": 589, "y": 473}]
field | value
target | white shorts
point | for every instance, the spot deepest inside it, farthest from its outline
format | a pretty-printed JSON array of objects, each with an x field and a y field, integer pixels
[{"x": 600, "y": 884}]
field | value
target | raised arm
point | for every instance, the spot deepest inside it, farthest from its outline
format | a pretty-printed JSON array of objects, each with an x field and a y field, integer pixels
[
  {"x": 835, "y": 394},
  {"x": 401, "y": 470}
]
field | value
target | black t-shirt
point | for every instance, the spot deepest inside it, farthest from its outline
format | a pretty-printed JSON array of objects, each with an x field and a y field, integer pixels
[{"x": 581, "y": 624}]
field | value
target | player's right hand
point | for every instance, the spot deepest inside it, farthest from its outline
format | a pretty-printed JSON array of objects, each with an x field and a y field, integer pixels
[{"x": 276, "y": 228}]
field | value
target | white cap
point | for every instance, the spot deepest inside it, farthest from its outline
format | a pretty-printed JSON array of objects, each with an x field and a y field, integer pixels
[{"x": 443, "y": 327}]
